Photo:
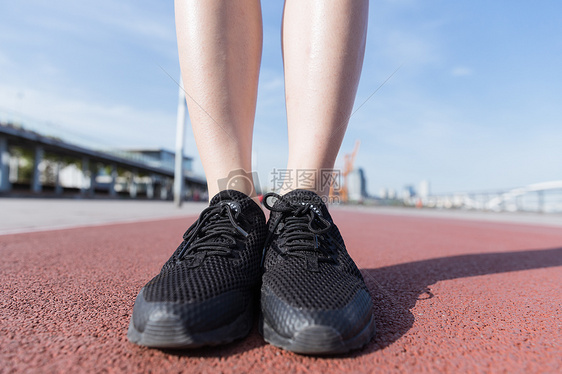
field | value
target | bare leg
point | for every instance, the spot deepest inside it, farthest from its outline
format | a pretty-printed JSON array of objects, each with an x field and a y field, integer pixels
[
  {"x": 323, "y": 49},
  {"x": 219, "y": 45}
]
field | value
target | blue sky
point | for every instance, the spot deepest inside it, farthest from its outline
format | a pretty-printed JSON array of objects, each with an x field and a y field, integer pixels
[{"x": 475, "y": 106}]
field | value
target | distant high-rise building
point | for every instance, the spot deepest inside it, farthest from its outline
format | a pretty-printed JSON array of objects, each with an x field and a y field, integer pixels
[
  {"x": 357, "y": 185},
  {"x": 409, "y": 192},
  {"x": 424, "y": 189},
  {"x": 383, "y": 193}
]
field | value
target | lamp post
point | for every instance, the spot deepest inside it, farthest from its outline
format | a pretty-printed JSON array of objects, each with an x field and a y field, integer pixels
[{"x": 180, "y": 131}]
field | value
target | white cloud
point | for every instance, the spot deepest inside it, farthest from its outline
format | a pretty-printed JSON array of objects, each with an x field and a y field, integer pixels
[
  {"x": 408, "y": 137},
  {"x": 135, "y": 20},
  {"x": 86, "y": 122},
  {"x": 274, "y": 84},
  {"x": 405, "y": 47},
  {"x": 461, "y": 71},
  {"x": 93, "y": 124},
  {"x": 4, "y": 61}
]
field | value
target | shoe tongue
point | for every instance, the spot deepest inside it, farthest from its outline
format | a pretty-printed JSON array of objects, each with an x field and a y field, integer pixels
[
  {"x": 305, "y": 197},
  {"x": 236, "y": 199}
]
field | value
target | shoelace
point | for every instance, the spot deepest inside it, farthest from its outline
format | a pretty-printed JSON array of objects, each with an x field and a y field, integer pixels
[
  {"x": 215, "y": 222},
  {"x": 298, "y": 234}
]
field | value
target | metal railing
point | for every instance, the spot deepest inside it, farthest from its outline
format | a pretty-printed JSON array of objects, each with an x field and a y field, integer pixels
[{"x": 545, "y": 197}]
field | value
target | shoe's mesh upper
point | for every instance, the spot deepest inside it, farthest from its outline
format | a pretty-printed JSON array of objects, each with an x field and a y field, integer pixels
[
  {"x": 196, "y": 280},
  {"x": 331, "y": 286}
]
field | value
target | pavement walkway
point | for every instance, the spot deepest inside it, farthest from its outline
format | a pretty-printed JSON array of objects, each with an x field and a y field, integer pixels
[
  {"x": 451, "y": 295},
  {"x": 26, "y": 215}
]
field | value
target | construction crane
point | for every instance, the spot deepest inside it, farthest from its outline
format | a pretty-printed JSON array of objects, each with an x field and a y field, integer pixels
[{"x": 349, "y": 161}]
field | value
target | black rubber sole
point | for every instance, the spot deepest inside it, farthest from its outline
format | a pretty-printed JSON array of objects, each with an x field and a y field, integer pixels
[
  {"x": 318, "y": 339},
  {"x": 168, "y": 331}
]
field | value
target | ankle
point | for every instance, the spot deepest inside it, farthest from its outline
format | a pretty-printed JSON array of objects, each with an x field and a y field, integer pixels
[
  {"x": 317, "y": 180},
  {"x": 239, "y": 180}
]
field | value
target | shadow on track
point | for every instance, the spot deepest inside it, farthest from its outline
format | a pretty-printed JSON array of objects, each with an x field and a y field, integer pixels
[{"x": 396, "y": 289}]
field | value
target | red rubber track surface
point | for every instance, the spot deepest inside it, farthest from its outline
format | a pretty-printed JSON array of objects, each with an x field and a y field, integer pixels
[{"x": 450, "y": 296}]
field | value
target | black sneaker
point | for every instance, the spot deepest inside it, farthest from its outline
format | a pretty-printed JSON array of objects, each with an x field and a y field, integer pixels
[
  {"x": 205, "y": 293},
  {"x": 313, "y": 298}
]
